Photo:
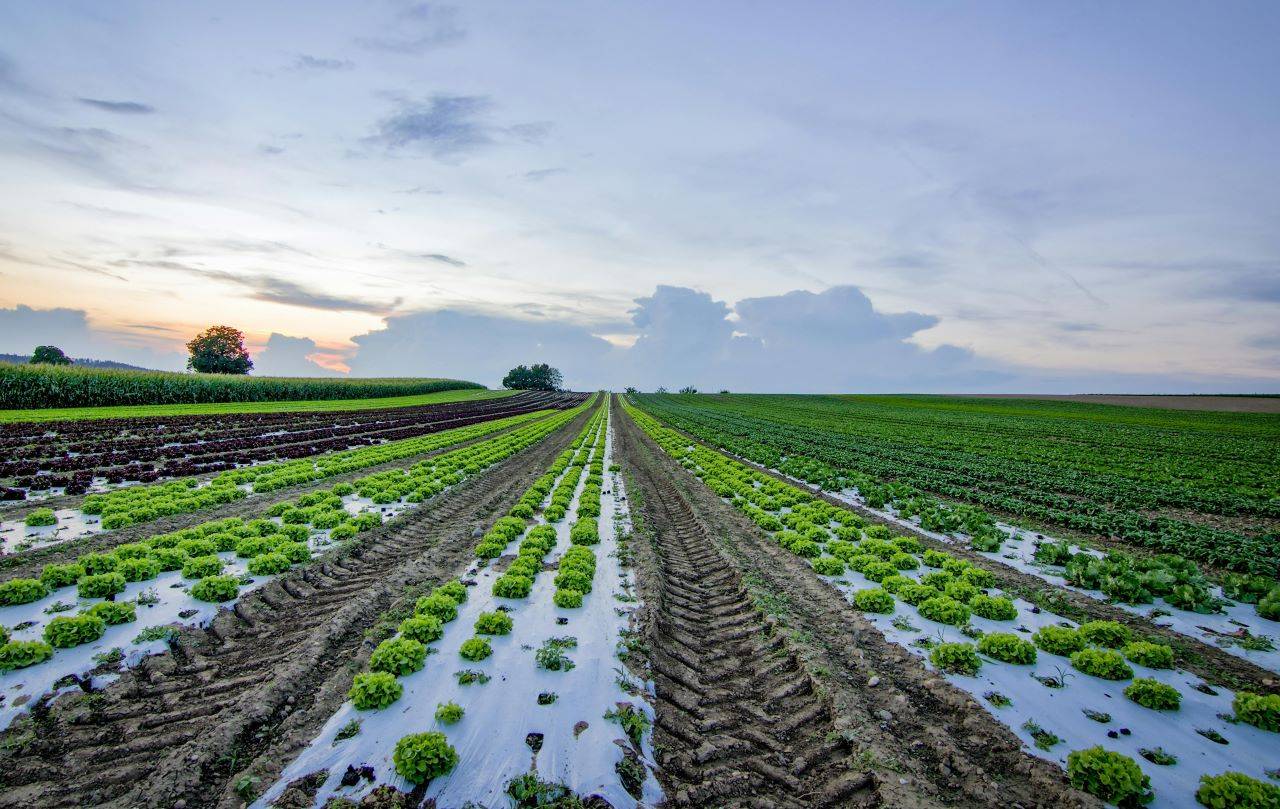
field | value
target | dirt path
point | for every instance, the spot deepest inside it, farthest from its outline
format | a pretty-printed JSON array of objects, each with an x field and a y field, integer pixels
[
  {"x": 183, "y": 728},
  {"x": 805, "y": 706},
  {"x": 30, "y": 563}
]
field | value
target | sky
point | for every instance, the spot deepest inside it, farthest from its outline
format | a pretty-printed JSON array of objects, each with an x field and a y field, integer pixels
[{"x": 939, "y": 197}]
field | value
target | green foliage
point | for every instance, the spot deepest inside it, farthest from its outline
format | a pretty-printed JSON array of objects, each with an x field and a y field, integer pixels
[
  {"x": 268, "y": 564},
  {"x": 114, "y": 612},
  {"x": 916, "y": 594},
  {"x": 1269, "y": 607},
  {"x": 635, "y": 723},
  {"x": 1151, "y": 655},
  {"x": 511, "y": 586},
  {"x": 398, "y": 656},
  {"x": 874, "y": 600},
  {"x": 41, "y": 516},
  {"x": 551, "y": 654},
  {"x": 956, "y": 658},
  {"x": 493, "y": 623},
  {"x": 55, "y": 576},
  {"x": 198, "y": 567},
  {"x": 879, "y": 571},
  {"x": 422, "y": 628},
  {"x": 961, "y": 591},
  {"x": 1113, "y": 777},
  {"x": 22, "y": 591},
  {"x": 138, "y": 569},
  {"x": 449, "y": 713},
  {"x": 475, "y": 649},
  {"x": 455, "y": 590},
  {"x": 1258, "y": 710},
  {"x": 374, "y": 690},
  {"x": 538, "y": 376},
  {"x": 422, "y": 756},
  {"x": 219, "y": 350},
  {"x": 995, "y": 608},
  {"x": 568, "y": 599},
  {"x": 437, "y": 605},
  {"x": 1105, "y": 663},
  {"x": 944, "y": 610},
  {"x": 1111, "y": 634},
  {"x": 18, "y": 654},
  {"x": 66, "y": 631},
  {"x": 1233, "y": 790},
  {"x": 1059, "y": 640},
  {"x": 1153, "y": 694},
  {"x": 49, "y": 355},
  {"x": 1008, "y": 648},
  {"x": 100, "y": 585},
  {"x": 216, "y": 589}
]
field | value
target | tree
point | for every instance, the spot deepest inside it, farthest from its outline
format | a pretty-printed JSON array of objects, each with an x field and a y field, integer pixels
[
  {"x": 219, "y": 350},
  {"x": 49, "y": 355},
  {"x": 534, "y": 377},
  {"x": 688, "y": 389},
  {"x": 661, "y": 389},
  {"x": 631, "y": 391}
]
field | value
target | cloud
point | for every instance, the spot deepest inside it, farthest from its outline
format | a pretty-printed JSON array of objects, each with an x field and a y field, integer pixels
[
  {"x": 306, "y": 62},
  {"x": 798, "y": 342},
  {"x": 538, "y": 175},
  {"x": 119, "y": 107},
  {"x": 445, "y": 125},
  {"x": 417, "y": 28},
  {"x": 272, "y": 289},
  {"x": 443, "y": 259},
  {"x": 22, "y": 328},
  {"x": 289, "y": 356},
  {"x": 480, "y": 347}
]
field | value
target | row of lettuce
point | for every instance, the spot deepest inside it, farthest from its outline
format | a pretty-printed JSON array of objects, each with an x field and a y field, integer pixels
[
  {"x": 420, "y": 757},
  {"x": 271, "y": 543},
  {"x": 834, "y": 540},
  {"x": 1121, "y": 576}
]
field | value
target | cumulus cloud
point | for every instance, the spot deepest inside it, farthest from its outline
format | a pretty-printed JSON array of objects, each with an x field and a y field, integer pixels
[
  {"x": 798, "y": 342},
  {"x": 289, "y": 356},
  {"x": 470, "y": 345},
  {"x": 22, "y": 328}
]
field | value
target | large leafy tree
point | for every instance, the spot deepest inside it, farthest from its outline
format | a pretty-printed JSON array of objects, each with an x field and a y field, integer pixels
[
  {"x": 49, "y": 355},
  {"x": 533, "y": 377},
  {"x": 219, "y": 350}
]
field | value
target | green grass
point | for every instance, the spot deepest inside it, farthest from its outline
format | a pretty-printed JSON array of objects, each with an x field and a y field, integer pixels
[{"x": 134, "y": 411}]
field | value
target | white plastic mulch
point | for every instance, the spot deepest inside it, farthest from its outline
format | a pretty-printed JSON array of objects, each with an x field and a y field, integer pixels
[{"x": 499, "y": 715}]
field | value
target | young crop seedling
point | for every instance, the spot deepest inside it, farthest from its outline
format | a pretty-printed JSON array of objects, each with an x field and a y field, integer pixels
[{"x": 449, "y": 713}]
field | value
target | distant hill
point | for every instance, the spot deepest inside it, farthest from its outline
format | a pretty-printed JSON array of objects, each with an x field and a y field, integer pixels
[{"x": 23, "y": 359}]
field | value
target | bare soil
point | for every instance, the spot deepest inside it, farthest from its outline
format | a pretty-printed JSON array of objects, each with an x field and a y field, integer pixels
[
  {"x": 234, "y": 702},
  {"x": 773, "y": 691}
]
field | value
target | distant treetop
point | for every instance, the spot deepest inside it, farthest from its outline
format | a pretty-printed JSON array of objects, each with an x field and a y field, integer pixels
[
  {"x": 219, "y": 350},
  {"x": 534, "y": 377},
  {"x": 49, "y": 355}
]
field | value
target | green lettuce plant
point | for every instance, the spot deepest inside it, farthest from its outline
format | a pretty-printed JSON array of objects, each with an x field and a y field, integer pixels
[
  {"x": 100, "y": 585},
  {"x": 1111, "y": 634},
  {"x": 422, "y": 628},
  {"x": 1058, "y": 640},
  {"x": 66, "y": 631},
  {"x": 18, "y": 654},
  {"x": 1008, "y": 648},
  {"x": 374, "y": 690},
  {"x": 1107, "y": 664},
  {"x": 874, "y": 600},
  {"x": 398, "y": 656},
  {"x": 1153, "y": 694},
  {"x": 1261, "y": 711},
  {"x": 475, "y": 649},
  {"x": 1151, "y": 655},
  {"x": 216, "y": 589},
  {"x": 493, "y": 623},
  {"x": 420, "y": 757},
  {"x": 1233, "y": 790},
  {"x": 22, "y": 591},
  {"x": 1111, "y": 776},
  {"x": 956, "y": 658}
]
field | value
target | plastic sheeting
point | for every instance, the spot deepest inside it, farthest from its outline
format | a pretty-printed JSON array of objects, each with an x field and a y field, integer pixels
[{"x": 499, "y": 716}]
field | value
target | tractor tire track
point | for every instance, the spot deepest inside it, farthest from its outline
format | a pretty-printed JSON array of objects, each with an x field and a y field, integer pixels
[
  {"x": 739, "y": 720},
  {"x": 182, "y": 724}
]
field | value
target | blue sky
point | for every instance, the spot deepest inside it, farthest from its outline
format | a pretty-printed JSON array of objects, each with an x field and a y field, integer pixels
[{"x": 804, "y": 196}]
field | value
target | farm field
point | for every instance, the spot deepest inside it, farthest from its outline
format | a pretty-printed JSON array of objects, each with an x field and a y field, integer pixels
[
  {"x": 232, "y": 408},
  {"x": 589, "y": 601}
]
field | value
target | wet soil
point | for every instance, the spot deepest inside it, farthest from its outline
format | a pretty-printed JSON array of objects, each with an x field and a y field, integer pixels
[
  {"x": 233, "y": 702},
  {"x": 773, "y": 691}
]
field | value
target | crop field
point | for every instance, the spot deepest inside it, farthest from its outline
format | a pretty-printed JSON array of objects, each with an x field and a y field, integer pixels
[{"x": 592, "y": 600}]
